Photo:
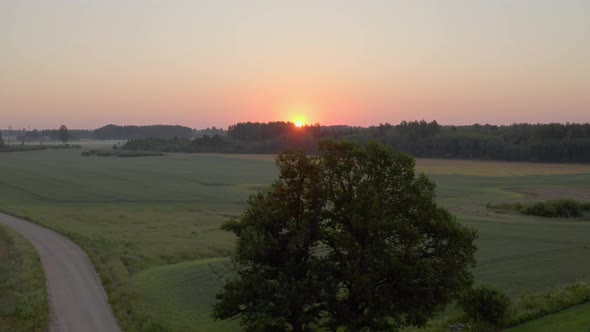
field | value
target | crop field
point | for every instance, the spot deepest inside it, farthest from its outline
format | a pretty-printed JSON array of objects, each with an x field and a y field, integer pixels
[{"x": 151, "y": 224}]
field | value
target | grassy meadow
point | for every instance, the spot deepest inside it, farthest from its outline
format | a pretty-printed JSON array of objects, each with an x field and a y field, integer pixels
[{"x": 151, "y": 224}]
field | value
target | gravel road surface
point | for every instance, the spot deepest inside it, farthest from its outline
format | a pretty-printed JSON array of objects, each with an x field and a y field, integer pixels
[{"x": 77, "y": 301}]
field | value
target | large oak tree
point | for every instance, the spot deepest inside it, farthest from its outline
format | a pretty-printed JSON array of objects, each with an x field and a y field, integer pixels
[{"x": 349, "y": 238}]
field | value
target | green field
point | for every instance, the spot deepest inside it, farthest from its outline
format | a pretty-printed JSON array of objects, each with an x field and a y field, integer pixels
[{"x": 151, "y": 224}]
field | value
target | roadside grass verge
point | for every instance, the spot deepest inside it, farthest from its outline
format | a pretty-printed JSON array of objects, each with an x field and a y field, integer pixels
[{"x": 23, "y": 296}]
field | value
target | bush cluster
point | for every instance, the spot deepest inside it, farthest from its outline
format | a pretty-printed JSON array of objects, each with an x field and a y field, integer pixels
[
  {"x": 559, "y": 208},
  {"x": 564, "y": 208},
  {"x": 485, "y": 305}
]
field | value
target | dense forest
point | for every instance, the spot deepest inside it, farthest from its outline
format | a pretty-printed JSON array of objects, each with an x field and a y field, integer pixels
[
  {"x": 553, "y": 142},
  {"x": 517, "y": 142},
  {"x": 108, "y": 132}
]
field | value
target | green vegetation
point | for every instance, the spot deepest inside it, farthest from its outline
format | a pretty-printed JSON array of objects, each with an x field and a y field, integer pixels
[
  {"x": 534, "y": 306},
  {"x": 182, "y": 305},
  {"x": 487, "y": 310},
  {"x": 161, "y": 217},
  {"x": 558, "y": 208},
  {"x": 350, "y": 238},
  {"x": 63, "y": 134},
  {"x": 121, "y": 153},
  {"x": 23, "y": 297},
  {"x": 575, "y": 319},
  {"x": 25, "y": 148},
  {"x": 518, "y": 142},
  {"x": 485, "y": 305}
]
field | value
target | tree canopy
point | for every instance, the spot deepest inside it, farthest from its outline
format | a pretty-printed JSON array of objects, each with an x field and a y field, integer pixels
[
  {"x": 349, "y": 238},
  {"x": 63, "y": 134}
]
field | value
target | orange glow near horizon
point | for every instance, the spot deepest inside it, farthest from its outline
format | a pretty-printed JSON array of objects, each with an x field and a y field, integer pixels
[{"x": 298, "y": 114}]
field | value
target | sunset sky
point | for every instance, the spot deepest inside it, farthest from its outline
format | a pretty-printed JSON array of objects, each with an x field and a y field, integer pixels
[{"x": 213, "y": 63}]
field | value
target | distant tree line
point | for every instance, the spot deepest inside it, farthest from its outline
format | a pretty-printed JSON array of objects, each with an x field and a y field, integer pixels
[
  {"x": 109, "y": 132},
  {"x": 272, "y": 137},
  {"x": 131, "y": 132},
  {"x": 518, "y": 142},
  {"x": 553, "y": 142}
]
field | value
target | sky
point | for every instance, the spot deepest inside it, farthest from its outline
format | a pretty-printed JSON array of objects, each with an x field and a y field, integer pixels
[{"x": 209, "y": 63}]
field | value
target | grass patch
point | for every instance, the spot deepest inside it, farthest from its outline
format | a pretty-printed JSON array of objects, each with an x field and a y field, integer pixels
[
  {"x": 121, "y": 153},
  {"x": 23, "y": 296},
  {"x": 169, "y": 293}
]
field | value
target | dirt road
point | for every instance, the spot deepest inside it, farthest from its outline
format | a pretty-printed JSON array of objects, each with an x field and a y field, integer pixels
[{"x": 77, "y": 301}]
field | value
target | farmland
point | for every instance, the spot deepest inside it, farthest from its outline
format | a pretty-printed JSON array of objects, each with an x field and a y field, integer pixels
[{"x": 151, "y": 224}]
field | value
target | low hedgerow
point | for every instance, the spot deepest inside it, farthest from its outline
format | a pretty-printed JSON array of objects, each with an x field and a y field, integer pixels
[
  {"x": 531, "y": 307},
  {"x": 121, "y": 153},
  {"x": 25, "y": 148},
  {"x": 559, "y": 208}
]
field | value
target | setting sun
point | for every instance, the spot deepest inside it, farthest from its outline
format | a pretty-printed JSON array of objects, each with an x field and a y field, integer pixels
[{"x": 298, "y": 123}]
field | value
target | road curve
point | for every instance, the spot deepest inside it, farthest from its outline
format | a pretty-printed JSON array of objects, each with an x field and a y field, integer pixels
[{"x": 77, "y": 301}]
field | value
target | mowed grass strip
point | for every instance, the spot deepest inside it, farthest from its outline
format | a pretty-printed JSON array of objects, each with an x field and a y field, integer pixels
[
  {"x": 23, "y": 296},
  {"x": 575, "y": 319}
]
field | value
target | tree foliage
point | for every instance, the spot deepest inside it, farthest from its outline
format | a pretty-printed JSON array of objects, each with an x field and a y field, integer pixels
[
  {"x": 518, "y": 142},
  {"x": 133, "y": 132},
  {"x": 63, "y": 134},
  {"x": 485, "y": 304},
  {"x": 349, "y": 238}
]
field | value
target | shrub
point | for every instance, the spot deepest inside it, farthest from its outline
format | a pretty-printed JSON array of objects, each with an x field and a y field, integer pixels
[
  {"x": 486, "y": 305},
  {"x": 565, "y": 208},
  {"x": 560, "y": 208}
]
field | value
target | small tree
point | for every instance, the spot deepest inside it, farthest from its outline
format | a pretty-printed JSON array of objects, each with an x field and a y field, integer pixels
[
  {"x": 349, "y": 239},
  {"x": 1, "y": 140},
  {"x": 63, "y": 134},
  {"x": 485, "y": 304}
]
